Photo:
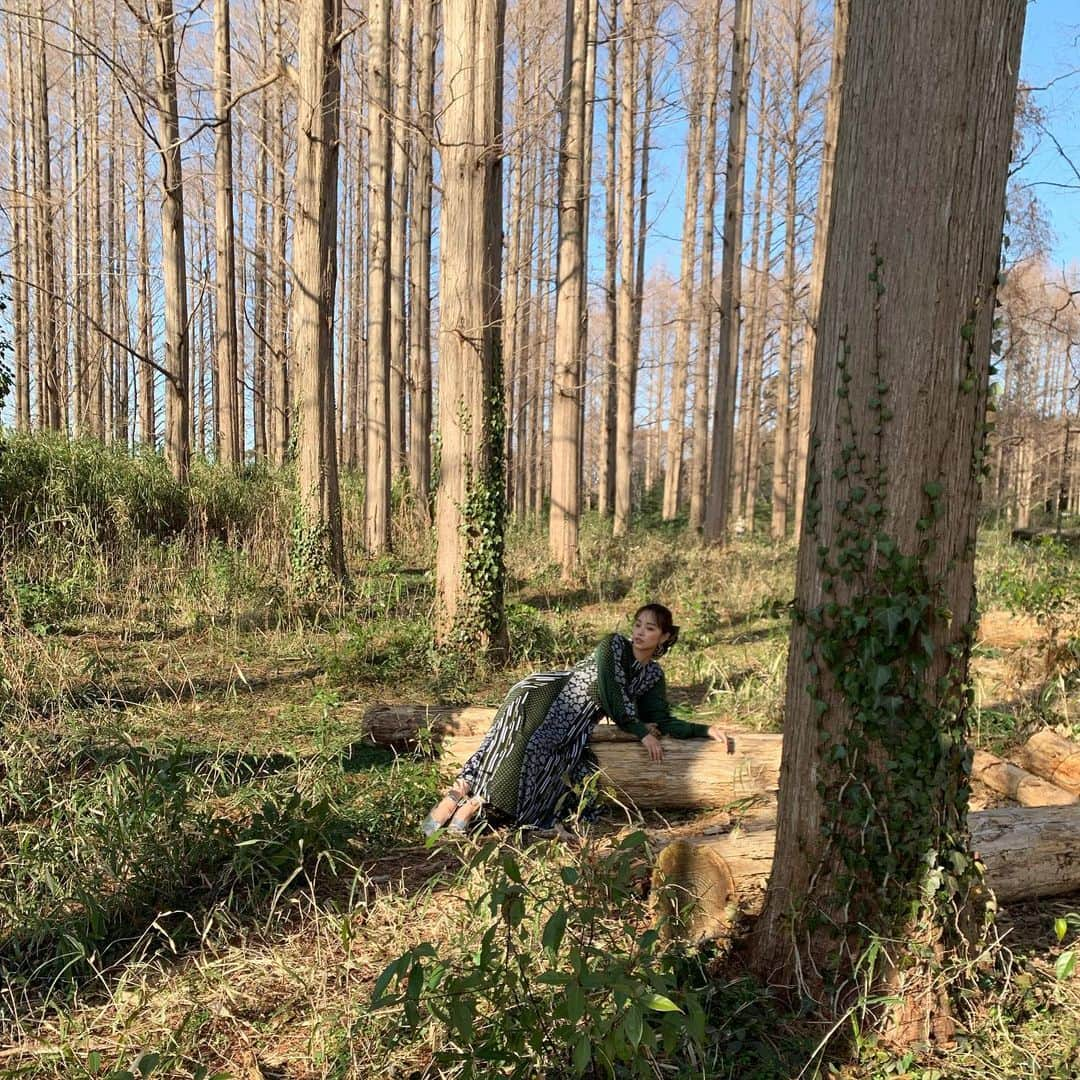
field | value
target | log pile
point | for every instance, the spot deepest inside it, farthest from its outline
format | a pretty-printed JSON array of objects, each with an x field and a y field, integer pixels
[{"x": 1030, "y": 850}]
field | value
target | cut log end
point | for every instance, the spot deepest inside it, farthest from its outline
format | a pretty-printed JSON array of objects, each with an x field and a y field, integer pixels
[{"x": 695, "y": 893}]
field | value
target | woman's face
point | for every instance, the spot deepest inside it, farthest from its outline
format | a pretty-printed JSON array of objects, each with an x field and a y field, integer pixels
[{"x": 647, "y": 635}]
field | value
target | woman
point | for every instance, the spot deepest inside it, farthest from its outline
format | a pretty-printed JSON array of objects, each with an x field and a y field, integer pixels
[{"x": 539, "y": 737}]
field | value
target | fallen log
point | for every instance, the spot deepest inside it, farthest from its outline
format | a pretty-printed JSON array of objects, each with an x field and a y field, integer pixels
[
  {"x": 406, "y": 726},
  {"x": 1053, "y": 757},
  {"x": 694, "y": 772},
  {"x": 1029, "y": 852},
  {"x": 1018, "y": 784}
]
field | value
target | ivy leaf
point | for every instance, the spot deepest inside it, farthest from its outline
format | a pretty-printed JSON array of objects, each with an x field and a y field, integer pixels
[{"x": 882, "y": 675}]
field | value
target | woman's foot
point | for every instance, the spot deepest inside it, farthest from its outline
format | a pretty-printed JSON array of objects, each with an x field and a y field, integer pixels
[
  {"x": 465, "y": 816},
  {"x": 443, "y": 811}
]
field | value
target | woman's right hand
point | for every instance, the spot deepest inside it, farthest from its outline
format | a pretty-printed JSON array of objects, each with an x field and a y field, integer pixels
[{"x": 652, "y": 744}]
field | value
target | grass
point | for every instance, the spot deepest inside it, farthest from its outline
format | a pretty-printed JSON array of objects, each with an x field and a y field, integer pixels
[{"x": 203, "y": 870}]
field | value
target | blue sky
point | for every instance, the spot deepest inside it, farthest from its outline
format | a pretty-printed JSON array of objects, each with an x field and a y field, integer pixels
[{"x": 1051, "y": 53}]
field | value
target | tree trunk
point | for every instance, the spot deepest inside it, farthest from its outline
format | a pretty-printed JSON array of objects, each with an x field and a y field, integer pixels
[
  {"x": 470, "y": 509},
  {"x": 874, "y": 807},
  {"x": 625, "y": 358},
  {"x": 399, "y": 219},
  {"x": 821, "y": 234},
  {"x": 225, "y": 352},
  {"x": 567, "y": 389},
  {"x": 781, "y": 491},
  {"x": 173, "y": 257},
  {"x": 259, "y": 360},
  {"x": 49, "y": 385},
  {"x": 317, "y": 545},
  {"x": 378, "y": 475},
  {"x": 20, "y": 314},
  {"x": 282, "y": 396},
  {"x": 420, "y": 269},
  {"x": 605, "y": 488},
  {"x": 727, "y": 354},
  {"x": 684, "y": 317},
  {"x": 700, "y": 451}
]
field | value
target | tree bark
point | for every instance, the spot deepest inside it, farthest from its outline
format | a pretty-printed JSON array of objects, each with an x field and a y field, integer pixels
[
  {"x": 318, "y": 555},
  {"x": 605, "y": 488},
  {"x": 567, "y": 389},
  {"x": 173, "y": 257},
  {"x": 676, "y": 435},
  {"x": 874, "y": 808},
  {"x": 821, "y": 234},
  {"x": 399, "y": 220},
  {"x": 420, "y": 269},
  {"x": 282, "y": 396},
  {"x": 225, "y": 352},
  {"x": 700, "y": 451},
  {"x": 781, "y": 491},
  {"x": 378, "y": 470},
  {"x": 470, "y": 509},
  {"x": 727, "y": 354},
  {"x": 625, "y": 357}
]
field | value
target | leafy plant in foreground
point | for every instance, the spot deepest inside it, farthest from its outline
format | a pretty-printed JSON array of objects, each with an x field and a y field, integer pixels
[{"x": 558, "y": 973}]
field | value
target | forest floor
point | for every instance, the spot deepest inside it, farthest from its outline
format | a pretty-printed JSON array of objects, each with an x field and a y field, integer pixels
[{"x": 205, "y": 870}]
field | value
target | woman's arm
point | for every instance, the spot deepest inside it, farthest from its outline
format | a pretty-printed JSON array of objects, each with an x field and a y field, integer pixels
[
  {"x": 653, "y": 708},
  {"x": 611, "y": 687}
]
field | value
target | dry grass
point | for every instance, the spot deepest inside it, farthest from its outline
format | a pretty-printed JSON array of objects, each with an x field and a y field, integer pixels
[{"x": 166, "y": 642}]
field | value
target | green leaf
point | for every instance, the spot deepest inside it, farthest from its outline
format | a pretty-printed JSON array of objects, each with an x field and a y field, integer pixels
[
  {"x": 554, "y": 930},
  {"x": 1065, "y": 963},
  {"x": 933, "y": 489},
  {"x": 632, "y": 1025},
  {"x": 582, "y": 1054},
  {"x": 660, "y": 1003},
  {"x": 93, "y": 1059},
  {"x": 575, "y": 1003},
  {"x": 1061, "y": 928}
]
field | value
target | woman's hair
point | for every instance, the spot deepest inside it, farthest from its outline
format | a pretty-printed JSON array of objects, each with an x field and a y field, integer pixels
[{"x": 664, "y": 620}]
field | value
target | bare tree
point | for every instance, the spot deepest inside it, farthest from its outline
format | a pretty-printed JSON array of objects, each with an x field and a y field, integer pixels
[
  {"x": 727, "y": 354},
  {"x": 566, "y": 432},
  {"x": 317, "y": 542},
  {"x": 470, "y": 508}
]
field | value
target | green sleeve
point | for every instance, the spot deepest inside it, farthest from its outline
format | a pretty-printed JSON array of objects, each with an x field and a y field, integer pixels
[
  {"x": 610, "y": 686},
  {"x": 653, "y": 708}
]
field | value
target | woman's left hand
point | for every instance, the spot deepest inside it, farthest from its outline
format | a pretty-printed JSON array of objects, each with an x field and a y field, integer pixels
[
  {"x": 652, "y": 744},
  {"x": 720, "y": 735}
]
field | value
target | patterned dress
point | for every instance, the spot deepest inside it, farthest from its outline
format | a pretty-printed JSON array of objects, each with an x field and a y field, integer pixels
[{"x": 536, "y": 750}]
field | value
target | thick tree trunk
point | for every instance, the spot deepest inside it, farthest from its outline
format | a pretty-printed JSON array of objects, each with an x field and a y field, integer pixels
[
  {"x": 874, "y": 807},
  {"x": 567, "y": 389},
  {"x": 378, "y": 470},
  {"x": 317, "y": 543},
  {"x": 470, "y": 510},
  {"x": 727, "y": 353}
]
